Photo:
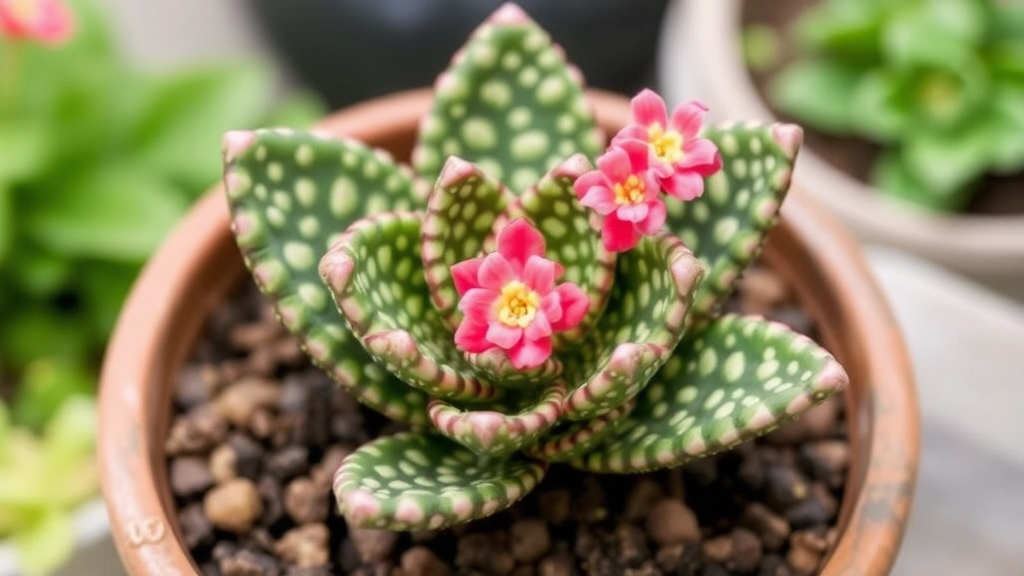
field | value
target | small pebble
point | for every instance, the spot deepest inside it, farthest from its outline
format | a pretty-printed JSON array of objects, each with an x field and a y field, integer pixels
[
  {"x": 223, "y": 463},
  {"x": 305, "y": 546},
  {"x": 323, "y": 472},
  {"x": 238, "y": 402},
  {"x": 249, "y": 563},
  {"x": 248, "y": 455},
  {"x": 762, "y": 291},
  {"x": 529, "y": 540},
  {"x": 746, "y": 551},
  {"x": 558, "y": 564},
  {"x": 488, "y": 553},
  {"x": 642, "y": 498},
  {"x": 373, "y": 545},
  {"x": 555, "y": 505},
  {"x": 195, "y": 432},
  {"x": 196, "y": 529},
  {"x": 309, "y": 571},
  {"x": 632, "y": 544},
  {"x": 196, "y": 385},
  {"x": 773, "y": 565},
  {"x": 233, "y": 506},
  {"x": 773, "y": 530},
  {"x": 806, "y": 550},
  {"x": 273, "y": 500},
  {"x": 421, "y": 561},
  {"x": 679, "y": 558},
  {"x": 784, "y": 487},
  {"x": 305, "y": 502},
  {"x": 827, "y": 461},
  {"x": 671, "y": 522},
  {"x": 189, "y": 476},
  {"x": 251, "y": 335}
]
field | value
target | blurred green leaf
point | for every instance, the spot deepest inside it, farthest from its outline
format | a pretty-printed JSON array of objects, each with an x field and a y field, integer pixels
[
  {"x": 46, "y": 386},
  {"x": 762, "y": 47},
  {"x": 103, "y": 287},
  {"x": 909, "y": 36},
  {"x": 877, "y": 108},
  {"x": 117, "y": 212},
  {"x": 943, "y": 163},
  {"x": 844, "y": 28},
  {"x": 891, "y": 176},
  {"x": 46, "y": 543},
  {"x": 37, "y": 273},
  {"x": 23, "y": 148},
  {"x": 298, "y": 111},
  {"x": 37, "y": 330},
  {"x": 6, "y": 222},
  {"x": 817, "y": 92}
]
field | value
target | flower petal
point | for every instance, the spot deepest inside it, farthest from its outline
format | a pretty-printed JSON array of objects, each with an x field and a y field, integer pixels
[
  {"x": 631, "y": 132},
  {"x": 471, "y": 336},
  {"x": 688, "y": 117},
  {"x": 618, "y": 235},
  {"x": 615, "y": 163},
  {"x": 701, "y": 155},
  {"x": 496, "y": 271},
  {"x": 551, "y": 306},
  {"x": 639, "y": 154},
  {"x": 633, "y": 212},
  {"x": 649, "y": 108},
  {"x": 600, "y": 199},
  {"x": 478, "y": 303},
  {"x": 518, "y": 241},
  {"x": 539, "y": 274},
  {"x": 655, "y": 218},
  {"x": 589, "y": 180},
  {"x": 539, "y": 328},
  {"x": 503, "y": 336},
  {"x": 574, "y": 304},
  {"x": 684, "y": 185},
  {"x": 465, "y": 275},
  {"x": 530, "y": 353}
]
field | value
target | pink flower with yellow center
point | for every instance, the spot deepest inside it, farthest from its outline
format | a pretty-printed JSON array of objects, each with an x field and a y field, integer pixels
[
  {"x": 46, "y": 21},
  {"x": 625, "y": 190},
  {"x": 509, "y": 299},
  {"x": 680, "y": 158}
]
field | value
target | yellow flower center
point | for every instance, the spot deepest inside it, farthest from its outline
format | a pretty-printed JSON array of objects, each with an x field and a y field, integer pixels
[
  {"x": 667, "y": 144},
  {"x": 629, "y": 191},
  {"x": 517, "y": 305},
  {"x": 25, "y": 10}
]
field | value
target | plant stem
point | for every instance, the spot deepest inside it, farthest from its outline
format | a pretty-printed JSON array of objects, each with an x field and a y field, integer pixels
[{"x": 10, "y": 62}]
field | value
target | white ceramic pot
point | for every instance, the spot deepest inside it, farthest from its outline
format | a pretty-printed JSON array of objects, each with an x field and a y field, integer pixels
[
  {"x": 700, "y": 57},
  {"x": 94, "y": 553}
]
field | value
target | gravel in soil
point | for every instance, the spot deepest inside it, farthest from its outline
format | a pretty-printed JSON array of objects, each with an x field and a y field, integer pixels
[{"x": 257, "y": 435}]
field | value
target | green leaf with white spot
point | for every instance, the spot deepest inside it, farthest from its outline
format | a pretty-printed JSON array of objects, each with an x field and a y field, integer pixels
[
  {"x": 291, "y": 195},
  {"x": 461, "y": 212},
  {"x": 418, "y": 482},
  {"x": 733, "y": 379},
  {"x": 376, "y": 277},
  {"x": 726, "y": 226},
  {"x": 647, "y": 313},
  {"x": 509, "y": 103},
  {"x": 575, "y": 438},
  {"x": 571, "y": 240},
  {"x": 498, "y": 430}
]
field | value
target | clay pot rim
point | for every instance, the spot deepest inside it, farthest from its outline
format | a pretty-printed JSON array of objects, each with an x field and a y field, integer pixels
[
  {"x": 980, "y": 244},
  {"x": 882, "y": 402}
]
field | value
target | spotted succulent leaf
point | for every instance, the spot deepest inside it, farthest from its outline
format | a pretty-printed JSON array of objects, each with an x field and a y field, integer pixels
[
  {"x": 728, "y": 224},
  {"x": 497, "y": 432},
  {"x": 552, "y": 207},
  {"x": 291, "y": 194},
  {"x": 647, "y": 312},
  {"x": 574, "y": 438},
  {"x": 419, "y": 482},
  {"x": 733, "y": 379},
  {"x": 461, "y": 212},
  {"x": 509, "y": 103},
  {"x": 375, "y": 275}
]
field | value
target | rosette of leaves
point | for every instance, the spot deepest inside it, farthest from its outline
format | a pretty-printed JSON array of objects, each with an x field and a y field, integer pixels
[
  {"x": 939, "y": 85},
  {"x": 652, "y": 377}
]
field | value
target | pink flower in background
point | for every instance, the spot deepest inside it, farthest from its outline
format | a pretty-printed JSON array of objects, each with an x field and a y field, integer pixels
[
  {"x": 680, "y": 158},
  {"x": 45, "y": 21},
  {"x": 625, "y": 190},
  {"x": 509, "y": 299}
]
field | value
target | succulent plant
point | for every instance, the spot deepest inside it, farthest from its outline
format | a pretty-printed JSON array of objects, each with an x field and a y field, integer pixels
[
  {"x": 945, "y": 113},
  {"x": 525, "y": 308}
]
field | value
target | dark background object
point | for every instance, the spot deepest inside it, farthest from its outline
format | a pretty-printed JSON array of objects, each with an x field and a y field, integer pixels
[{"x": 351, "y": 50}]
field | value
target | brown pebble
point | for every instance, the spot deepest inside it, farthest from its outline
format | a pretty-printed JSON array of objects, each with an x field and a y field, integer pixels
[
  {"x": 488, "y": 553},
  {"x": 189, "y": 476},
  {"x": 746, "y": 551},
  {"x": 772, "y": 529},
  {"x": 223, "y": 463},
  {"x": 819, "y": 422},
  {"x": 529, "y": 540},
  {"x": 818, "y": 509},
  {"x": 641, "y": 499},
  {"x": 305, "y": 546},
  {"x": 262, "y": 423},
  {"x": 555, "y": 505},
  {"x": 785, "y": 486},
  {"x": 632, "y": 544},
  {"x": 421, "y": 561},
  {"x": 251, "y": 335},
  {"x": 671, "y": 522},
  {"x": 590, "y": 504},
  {"x": 373, "y": 545},
  {"x": 305, "y": 502},
  {"x": 249, "y": 563},
  {"x": 248, "y": 455},
  {"x": 196, "y": 385},
  {"x": 558, "y": 564},
  {"x": 234, "y": 506},
  {"x": 239, "y": 401},
  {"x": 309, "y": 571},
  {"x": 195, "y": 432},
  {"x": 323, "y": 472},
  {"x": 679, "y": 558},
  {"x": 773, "y": 565},
  {"x": 196, "y": 529},
  {"x": 718, "y": 549},
  {"x": 273, "y": 500},
  {"x": 827, "y": 461},
  {"x": 762, "y": 291},
  {"x": 288, "y": 462},
  {"x": 806, "y": 549}
]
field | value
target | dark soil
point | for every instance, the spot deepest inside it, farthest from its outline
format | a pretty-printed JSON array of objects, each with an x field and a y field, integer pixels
[
  {"x": 855, "y": 156},
  {"x": 257, "y": 435}
]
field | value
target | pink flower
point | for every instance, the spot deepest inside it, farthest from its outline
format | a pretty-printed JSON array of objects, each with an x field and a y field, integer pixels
[
  {"x": 46, "y": 21},
  {"x": 624, "y": 189},
  {"x": 509, "y": 299},
  {"x": 678, "y": 156}
]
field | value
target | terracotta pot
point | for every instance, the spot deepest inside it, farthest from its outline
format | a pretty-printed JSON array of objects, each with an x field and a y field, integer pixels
[
  {"x": 700, "y": 57},
  {"x": 199, "y": 264}
]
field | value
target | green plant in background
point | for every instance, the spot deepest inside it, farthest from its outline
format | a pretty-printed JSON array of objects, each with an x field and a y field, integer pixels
[
  {"x": 938, "y": 83},
  {"x": 97, "y": 162},
  {"x": 571, "y": 316}
]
